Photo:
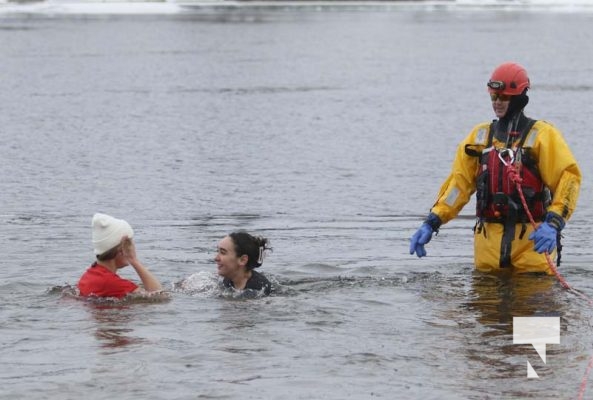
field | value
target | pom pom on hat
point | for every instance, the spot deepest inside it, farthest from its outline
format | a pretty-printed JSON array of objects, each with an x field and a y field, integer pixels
[{"x": 108, "y": 232}]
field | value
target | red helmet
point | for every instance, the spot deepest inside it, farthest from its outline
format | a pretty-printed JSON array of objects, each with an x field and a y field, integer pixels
[{"x": 508, "y": 78}]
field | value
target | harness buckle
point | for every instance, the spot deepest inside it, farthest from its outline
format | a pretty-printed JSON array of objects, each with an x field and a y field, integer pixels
[{"x": 509, "y": 154}]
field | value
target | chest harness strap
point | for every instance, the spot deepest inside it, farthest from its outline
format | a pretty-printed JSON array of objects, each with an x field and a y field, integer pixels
[{"x": 497, "y": 199}]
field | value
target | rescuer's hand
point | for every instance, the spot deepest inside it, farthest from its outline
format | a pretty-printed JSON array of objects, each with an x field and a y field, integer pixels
[
  {"x": 546, "y": 235},
  {"x": 420, "y": 238},
  {"x": 424, "y": 234},
  {"x": 544, "y": 238}
]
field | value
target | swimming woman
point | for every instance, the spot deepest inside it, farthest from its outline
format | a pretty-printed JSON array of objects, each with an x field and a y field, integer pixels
[{"x": 238, "y": 255}]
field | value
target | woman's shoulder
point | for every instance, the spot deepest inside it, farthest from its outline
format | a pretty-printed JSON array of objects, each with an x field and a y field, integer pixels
[
  {"x": 227, "y": 283},
  {"x": 258, "y": 281}
]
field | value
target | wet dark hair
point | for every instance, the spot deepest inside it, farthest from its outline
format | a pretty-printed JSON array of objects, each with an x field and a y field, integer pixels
[
  {"x": 109, "y": 254},
  {"x": 252, "y": 246}
]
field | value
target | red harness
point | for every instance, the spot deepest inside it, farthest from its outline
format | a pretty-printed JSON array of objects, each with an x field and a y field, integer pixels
[{"x": 497, "y": 197}]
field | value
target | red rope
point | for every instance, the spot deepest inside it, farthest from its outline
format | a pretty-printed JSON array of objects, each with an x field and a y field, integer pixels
[
  {"x": 515, "y": 177},
  {"x": 584, "y": 381}
]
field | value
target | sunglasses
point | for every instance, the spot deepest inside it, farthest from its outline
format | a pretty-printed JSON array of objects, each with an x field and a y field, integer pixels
[{"x": 501, "y": 97}]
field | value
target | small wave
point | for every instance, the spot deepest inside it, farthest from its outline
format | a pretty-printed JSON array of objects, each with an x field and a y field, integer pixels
[
  {"x": 564, "y": 88},
  {"x": 200, "y": 283},
  {"x": 324, "y": 284},
  {"x": 89, "y": 8},
  {"x": 228, "y": 8},
  {"x": 255, "y": 90},
  {"x": 207, "y": 284},
  {"x": 72, "y": 292}
]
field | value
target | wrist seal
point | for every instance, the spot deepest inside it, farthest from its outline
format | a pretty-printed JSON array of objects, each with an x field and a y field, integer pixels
[
  {"x": 433, "y": 221},
  {"x": 555, "y": 221}
]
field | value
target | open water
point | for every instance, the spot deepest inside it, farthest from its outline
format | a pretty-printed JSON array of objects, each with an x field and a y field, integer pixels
[{"x": 326, "y": 130}]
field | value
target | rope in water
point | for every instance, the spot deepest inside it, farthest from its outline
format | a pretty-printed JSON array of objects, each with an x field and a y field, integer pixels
[
  {"x": 584, "y": 380},
  {"x": 515, "y": 177}
]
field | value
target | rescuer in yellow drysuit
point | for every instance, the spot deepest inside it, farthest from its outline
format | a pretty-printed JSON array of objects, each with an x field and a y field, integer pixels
[{"x": 549, "y": 180}]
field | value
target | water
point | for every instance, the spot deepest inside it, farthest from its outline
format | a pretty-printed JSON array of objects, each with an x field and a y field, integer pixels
[{"x": 327, "y": 131}]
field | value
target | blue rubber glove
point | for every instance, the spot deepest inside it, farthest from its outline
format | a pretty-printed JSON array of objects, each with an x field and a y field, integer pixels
[
  {"x": 544, "y": 237},
  {"x": 424, "y": 234},
  {"x": 420, "y": 238}
]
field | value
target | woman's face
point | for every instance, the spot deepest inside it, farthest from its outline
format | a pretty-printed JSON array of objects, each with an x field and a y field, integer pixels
[{"x": 226, "y": 259}]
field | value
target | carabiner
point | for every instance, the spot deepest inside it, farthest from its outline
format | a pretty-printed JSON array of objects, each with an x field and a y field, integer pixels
[{"x": 508, "y": 153}]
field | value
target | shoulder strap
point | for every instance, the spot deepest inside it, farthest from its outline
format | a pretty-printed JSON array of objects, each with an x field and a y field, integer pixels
[
  {"x": 475, "y": 149},
  {"x": 490, "y": 133},
  {"x": 470, "y": 150},
  {"x": 525, "y": 132},
  {"x": 476, "y": 153}
]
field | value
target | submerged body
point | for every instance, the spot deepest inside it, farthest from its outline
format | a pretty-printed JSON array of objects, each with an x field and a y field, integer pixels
[
  {"x": 99, "y": 281},
  {"x": 256, "y": 282}
]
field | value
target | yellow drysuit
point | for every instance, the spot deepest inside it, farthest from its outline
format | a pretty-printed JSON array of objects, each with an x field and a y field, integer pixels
[{"x": 559, "y": 172}]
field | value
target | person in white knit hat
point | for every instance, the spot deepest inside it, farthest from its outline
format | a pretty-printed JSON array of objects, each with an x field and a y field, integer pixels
[{"x": 114, "y": 249}]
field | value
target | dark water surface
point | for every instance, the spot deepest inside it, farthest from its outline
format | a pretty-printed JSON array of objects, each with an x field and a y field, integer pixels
[{"x": 329, "y": 133}]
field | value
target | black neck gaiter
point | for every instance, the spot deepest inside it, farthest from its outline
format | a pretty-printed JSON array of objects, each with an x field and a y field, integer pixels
[{"x": 513, "y": 120}]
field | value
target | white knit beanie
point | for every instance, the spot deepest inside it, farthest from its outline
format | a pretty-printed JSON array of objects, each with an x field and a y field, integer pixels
[{"x": 108, "y": 232}]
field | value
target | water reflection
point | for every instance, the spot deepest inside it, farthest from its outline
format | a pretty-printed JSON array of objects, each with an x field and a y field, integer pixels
[
  {"x": 473, "y": 313},
  {"x": 114, "y": 325},
  {"x": 494, "y": 299},
  {"x": 115, "y": 318},
  {"x": 497, "y": 298}
]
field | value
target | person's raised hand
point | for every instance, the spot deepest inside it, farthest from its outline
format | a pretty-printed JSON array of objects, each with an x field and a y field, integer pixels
[{"x": 128, "y": 249}]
